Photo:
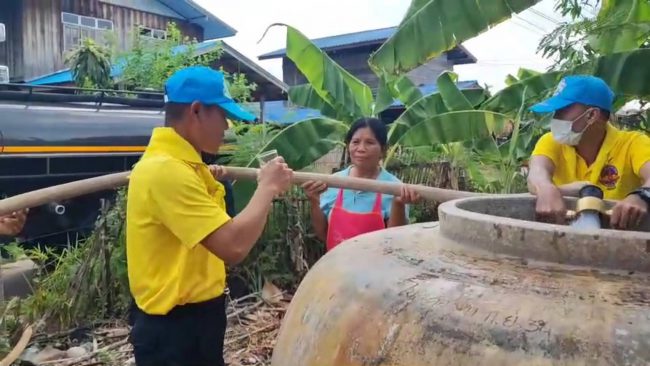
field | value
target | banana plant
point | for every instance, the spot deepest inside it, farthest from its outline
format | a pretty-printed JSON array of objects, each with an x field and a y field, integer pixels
[
  {"x": 342, "y": 98},
  {"x": 300, "y": 144},
  {"x": 621, "y": 25},
  {"x": 449, "y": 116},
  {"x": 431, "y": 27}
]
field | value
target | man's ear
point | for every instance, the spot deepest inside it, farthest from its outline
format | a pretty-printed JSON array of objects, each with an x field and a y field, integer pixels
[{"x": 195, "y": 107}]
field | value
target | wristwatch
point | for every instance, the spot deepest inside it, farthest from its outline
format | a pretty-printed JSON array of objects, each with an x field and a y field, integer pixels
[{"x": 643, "y": 193}]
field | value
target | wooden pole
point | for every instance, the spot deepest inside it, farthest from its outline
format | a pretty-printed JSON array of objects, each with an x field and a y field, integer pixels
[{"x": 111, "y": 181}]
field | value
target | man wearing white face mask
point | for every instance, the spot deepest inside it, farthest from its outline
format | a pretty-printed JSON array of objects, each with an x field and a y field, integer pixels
[{"x": 584, "y": 147}]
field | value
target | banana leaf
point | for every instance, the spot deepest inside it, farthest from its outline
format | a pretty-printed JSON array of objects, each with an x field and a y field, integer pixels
[
  {"x": 300, "y": 145},
  {"x": 476, "y": 96},
  {"x": 305, "y": 96},
  {"x": 415, "y": 6},
  {"x": 510, "y": 79},
  {"x": 385, "y": 95},
  {"x": 451, "y": 95},
  {"x": 340, "y": 89},
  {"x": 406, "y": 91},
  {"x": 627, "y": 73},
  {"x": 391, "y": 88},
  {"x": 453, "y": 127},
  {"x": 524, "y": 73},
  {"x": 623, "y": 25},
  {"x": 435, "y": 26},
  {"x": 428, "y": 107},
  {"x": 509, "y": 100}
]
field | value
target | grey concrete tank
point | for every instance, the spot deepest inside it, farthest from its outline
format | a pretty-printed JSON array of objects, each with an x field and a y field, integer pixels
[{"x": 485, "y": 286}]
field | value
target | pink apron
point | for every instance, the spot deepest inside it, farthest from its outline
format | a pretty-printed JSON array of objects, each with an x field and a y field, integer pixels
[{"x": 345, "y": 224}]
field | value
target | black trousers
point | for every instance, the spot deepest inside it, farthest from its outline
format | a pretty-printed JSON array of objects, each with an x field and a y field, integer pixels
[{"x": 189, "y": 335}]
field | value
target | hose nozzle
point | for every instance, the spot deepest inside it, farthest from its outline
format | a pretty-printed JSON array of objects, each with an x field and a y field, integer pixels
[{"x": 589, "y": 208}]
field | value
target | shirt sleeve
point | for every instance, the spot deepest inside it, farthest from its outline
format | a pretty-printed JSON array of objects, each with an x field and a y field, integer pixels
[
  {"x": 182, "y": 203},
  {"x": 387, "y": 201},
  {"x": 546, "y": 146},
  {"x": 327, "y": 200},
  {"x": 640, "y": 153}
]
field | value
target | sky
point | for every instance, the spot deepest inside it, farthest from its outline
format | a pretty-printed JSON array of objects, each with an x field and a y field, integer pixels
[{"x": 500, "y": 50}]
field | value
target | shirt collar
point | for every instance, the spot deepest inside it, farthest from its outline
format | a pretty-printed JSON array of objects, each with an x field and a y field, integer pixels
[
  {"x": 611, "y": 136},
  {"x": 165, "y": 140}
]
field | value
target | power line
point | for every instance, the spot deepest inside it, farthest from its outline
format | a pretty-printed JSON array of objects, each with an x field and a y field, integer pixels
[
  {"x": 544, "y": 31},
  {"x": 545, "y": 16},
  {"x": 528, "y": 28}
]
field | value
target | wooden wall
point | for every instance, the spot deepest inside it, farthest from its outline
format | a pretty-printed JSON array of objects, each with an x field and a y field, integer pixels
[
  {"x": 11, "y": 50},
  {"x": 43, "y": 31}
]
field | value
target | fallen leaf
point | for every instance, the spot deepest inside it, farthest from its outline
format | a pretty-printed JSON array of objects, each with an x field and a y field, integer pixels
[
  {"x": 49, "y": 353},
  {"x": 271, "y": 293},
  {"x": 75, "y": 352}
]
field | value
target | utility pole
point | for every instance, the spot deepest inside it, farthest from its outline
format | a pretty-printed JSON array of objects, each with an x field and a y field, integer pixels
[{"x": 4, "y": 70}]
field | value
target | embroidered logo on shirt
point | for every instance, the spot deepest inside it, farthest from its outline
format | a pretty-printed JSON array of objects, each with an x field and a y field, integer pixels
[{"x": 609, "y": 176}]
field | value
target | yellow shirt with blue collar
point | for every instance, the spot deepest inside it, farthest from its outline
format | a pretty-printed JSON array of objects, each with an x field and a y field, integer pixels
[
  {"x": 359, "y": 201},
  {"x": 616, "y": 169},
  {"x": 173, "y": 203}
]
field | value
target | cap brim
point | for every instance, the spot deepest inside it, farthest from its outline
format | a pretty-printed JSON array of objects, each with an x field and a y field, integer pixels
[
  {"x": 236, "y": 112},
  {"x": 551, "y": 105}
]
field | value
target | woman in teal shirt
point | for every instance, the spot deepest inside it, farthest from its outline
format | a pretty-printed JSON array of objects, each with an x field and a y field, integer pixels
[{"x": 339, "y": 214}]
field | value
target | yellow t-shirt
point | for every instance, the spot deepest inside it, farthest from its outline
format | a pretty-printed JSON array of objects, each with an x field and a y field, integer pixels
[
  {"x": 615, "y": 170},
  {"x": 173, "y": 203}
]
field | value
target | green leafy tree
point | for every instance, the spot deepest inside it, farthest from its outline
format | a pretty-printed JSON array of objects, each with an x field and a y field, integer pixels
[
  {"x": 448, "y": 116},
  {"x": 596, "y": 28},
  {"x": 148, "y": 63},
  {"x": 90, "y": 64}
]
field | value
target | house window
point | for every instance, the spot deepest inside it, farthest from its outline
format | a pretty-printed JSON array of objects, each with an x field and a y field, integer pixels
[
  {"x": 77, "y": 27},
  {"x": 150, "y": 33}
]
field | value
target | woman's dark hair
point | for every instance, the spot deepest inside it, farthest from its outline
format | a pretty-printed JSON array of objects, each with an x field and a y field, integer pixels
[{"x": 377, "y": 127}]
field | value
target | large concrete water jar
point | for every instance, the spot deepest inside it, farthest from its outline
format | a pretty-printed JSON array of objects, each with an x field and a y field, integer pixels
[{"x": 487, "y": 285}]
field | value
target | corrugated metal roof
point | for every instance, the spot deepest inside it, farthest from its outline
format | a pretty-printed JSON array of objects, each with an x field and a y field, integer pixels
[
  {"x": 326, "y": 43},
  {"x": 459, "y": 55},
  {"x": 149, "y": 6}
]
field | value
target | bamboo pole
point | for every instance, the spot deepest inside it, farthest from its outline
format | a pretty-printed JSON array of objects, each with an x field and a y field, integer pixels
[{"x": 111, "y": 181}]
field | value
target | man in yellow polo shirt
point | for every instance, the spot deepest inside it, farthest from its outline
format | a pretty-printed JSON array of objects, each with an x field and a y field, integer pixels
[
  {"x": 584, "y": 147},
  {"x": 179, "y": 236}
]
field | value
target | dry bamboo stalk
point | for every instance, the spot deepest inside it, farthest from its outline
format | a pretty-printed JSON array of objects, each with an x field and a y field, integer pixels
[
  {"x": 19, "y": 348},
  {"x": 86, "y": 186},
  {"x": 111, "y": 181}
]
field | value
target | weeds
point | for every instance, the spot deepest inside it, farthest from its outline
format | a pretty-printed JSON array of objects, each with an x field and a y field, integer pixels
[{"x": 89, "y": 280}]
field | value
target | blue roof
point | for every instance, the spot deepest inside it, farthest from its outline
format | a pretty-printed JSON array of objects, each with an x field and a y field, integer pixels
[
  {"x": 65, "y": 75},
  {"x": 285, "y": 113},
  {"x": 375, "y": 36},
  {"x": 213, "y": 27},
  {"x": 282, "y": 112}
]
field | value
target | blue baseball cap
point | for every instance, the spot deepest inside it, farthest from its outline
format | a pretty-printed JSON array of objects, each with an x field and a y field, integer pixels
[
  {"x": 207, "y": 86},
  {"x": 584, "y": 89}
]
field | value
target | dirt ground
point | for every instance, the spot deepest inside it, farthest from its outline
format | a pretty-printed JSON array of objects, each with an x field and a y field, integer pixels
[{"x": 254, "y": 322}]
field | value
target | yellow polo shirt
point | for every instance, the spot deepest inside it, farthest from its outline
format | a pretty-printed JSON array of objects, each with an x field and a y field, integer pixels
[
  {"x": 173, "y": 203},
  {"x": 616, "y": 168}
]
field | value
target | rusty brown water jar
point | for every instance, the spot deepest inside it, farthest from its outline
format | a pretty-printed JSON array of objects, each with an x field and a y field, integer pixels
[{"x": 485, "y": 286}]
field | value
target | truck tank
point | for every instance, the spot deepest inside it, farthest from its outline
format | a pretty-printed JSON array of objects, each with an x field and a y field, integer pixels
[
  {"x": 51, "y": 138},
  {"x": 486, "y": 285}
]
